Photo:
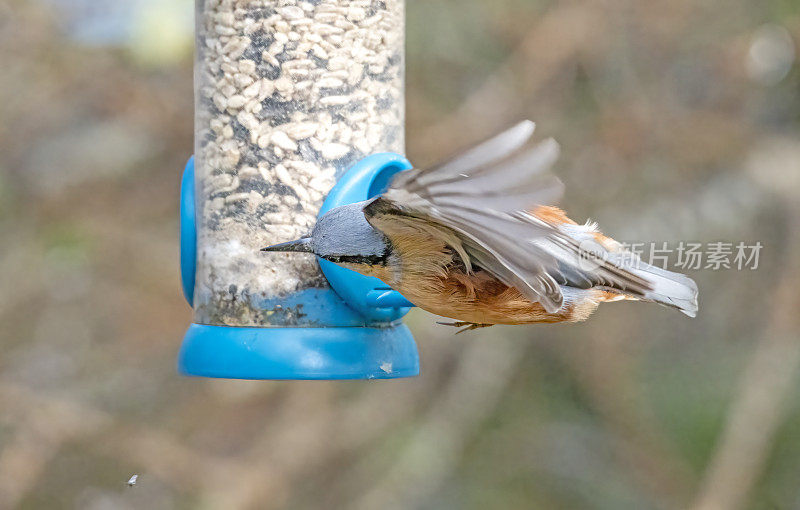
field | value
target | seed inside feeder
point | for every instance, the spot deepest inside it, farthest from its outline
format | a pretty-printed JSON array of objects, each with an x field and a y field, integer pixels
[{"x": 288, "y": 95}]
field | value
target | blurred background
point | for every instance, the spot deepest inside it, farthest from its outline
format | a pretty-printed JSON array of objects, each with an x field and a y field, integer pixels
[{"x": 678, "y": 120}]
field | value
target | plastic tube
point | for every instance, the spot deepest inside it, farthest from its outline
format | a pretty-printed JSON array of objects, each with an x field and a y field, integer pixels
[{"x": 288, "y": 95}]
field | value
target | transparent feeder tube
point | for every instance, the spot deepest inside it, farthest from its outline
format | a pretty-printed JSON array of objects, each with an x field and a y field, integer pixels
[{"x": 288, "y": 95}]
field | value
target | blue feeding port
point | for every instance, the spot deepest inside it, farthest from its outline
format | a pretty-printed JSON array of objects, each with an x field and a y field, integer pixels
[{"x": 373, "y": 345}]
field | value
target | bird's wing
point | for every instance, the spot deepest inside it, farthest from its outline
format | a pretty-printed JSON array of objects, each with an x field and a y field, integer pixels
[
  {"x": 495, "y": 173},
  {"x": 481, "y": 196}
]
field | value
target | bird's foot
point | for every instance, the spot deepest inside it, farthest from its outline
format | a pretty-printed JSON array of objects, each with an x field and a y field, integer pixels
[{"x": 467, "y": 326}]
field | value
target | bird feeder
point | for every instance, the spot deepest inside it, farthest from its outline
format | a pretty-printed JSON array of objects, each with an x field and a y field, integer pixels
[{"x": 299, "y": 108}]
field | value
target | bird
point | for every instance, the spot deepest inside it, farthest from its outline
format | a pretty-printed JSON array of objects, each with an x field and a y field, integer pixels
[{"x": 479, "y": 240}]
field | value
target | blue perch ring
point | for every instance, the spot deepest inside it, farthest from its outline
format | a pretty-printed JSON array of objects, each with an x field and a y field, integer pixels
[{"x": 369, "y": 296}]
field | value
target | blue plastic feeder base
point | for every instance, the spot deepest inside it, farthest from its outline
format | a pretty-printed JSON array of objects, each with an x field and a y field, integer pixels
[
  {"x": 299, "y": 353},
  {"x": 345, "y": 350}
]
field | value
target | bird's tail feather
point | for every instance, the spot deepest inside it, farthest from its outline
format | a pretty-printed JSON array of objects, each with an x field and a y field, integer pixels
[{"x": 668, "y": 288}]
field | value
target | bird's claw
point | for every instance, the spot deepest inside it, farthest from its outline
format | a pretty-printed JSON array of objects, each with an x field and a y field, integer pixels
[{"x": 467, "y": 326}]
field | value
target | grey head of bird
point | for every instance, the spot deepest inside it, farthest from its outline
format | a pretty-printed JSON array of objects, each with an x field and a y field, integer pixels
[{"x": 343, "y": 236}]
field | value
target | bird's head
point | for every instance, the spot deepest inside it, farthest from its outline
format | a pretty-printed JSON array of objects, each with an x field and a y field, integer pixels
[{"x": 343, "y": 236}]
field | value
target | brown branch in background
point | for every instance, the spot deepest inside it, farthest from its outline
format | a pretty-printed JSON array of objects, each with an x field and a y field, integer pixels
[
  {"x": 433, "y": 451},
  {"x": 607, "y": 376},
  {"x": 541, "y": 54},
  {"x": 758, "y": 409}
]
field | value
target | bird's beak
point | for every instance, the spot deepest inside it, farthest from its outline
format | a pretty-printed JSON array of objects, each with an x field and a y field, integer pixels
[{"x": 301, "y": 245}]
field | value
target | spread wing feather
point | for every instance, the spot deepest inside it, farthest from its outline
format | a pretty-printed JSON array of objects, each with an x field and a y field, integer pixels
[
  {"x": 481, "y": 195},
  {"x": 473, "y": 159}
]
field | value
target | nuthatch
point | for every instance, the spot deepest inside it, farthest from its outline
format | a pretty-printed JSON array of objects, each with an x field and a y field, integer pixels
[{"x": 475, "y": 239}]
